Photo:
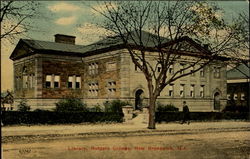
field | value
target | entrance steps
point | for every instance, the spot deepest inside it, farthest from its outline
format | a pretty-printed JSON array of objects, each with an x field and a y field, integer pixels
[{"x": 141, "y": 117}]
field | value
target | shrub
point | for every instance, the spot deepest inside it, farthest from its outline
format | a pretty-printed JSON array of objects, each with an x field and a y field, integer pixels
[
  {"x": 230, "y": 108},
  {"x": 71, "y": 104},
  {"x": 95, "y": 108},
  {"x": 115, "y": 106},
  {"x": 23, "y": 106},
  {"x": 166, "y": 108},
  {"x": 50, "y": 117}
]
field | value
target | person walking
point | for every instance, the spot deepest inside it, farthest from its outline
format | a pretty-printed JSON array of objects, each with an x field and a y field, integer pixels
[{"x": 186, "y": 117}]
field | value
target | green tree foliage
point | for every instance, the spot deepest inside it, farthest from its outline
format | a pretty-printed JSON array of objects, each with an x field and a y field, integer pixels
[
  {"x": 115, "y": 106},
  {"x": 70, "y": 104},
  {"x": 23, "y": 106}
]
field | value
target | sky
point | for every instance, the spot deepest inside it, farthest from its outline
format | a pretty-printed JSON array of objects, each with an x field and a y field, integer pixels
[{"x": 78, "y": 19}]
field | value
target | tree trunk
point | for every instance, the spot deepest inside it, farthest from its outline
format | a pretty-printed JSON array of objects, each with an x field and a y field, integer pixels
[{"x": 151, "y": 123}]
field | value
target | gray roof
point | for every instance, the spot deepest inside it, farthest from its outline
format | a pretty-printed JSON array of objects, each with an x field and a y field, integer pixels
[
  {"x": 240, "y": 72},
  {"x": 46, "y": 45},
  {"x": 147, "y": 39},
  {"x": 111, "y": 43}
]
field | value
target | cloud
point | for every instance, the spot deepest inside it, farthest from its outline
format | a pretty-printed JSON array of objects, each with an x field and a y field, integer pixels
[
  {"x": 66, "y": 20},
  {"x": 91, "y": 33},
  {"x": 102, "y": 8},
  {"x": 60, "y": 7}
]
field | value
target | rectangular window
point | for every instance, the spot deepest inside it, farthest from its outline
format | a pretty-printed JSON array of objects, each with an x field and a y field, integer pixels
[
  {"x": 30, "y": 81},
  {"x": 235, "y": 96},
  {"x": 93, "y": 68},
  {"x": 202, "y": 72},
  {"x": 25, "y": 81},
  {"x": 48, "y": 81},
  {"x": 216, "y": 72},
  {"x": 70, "y": 82},
  {"x": 93, "y": 89},
  {"x": 192, "y": 71},
  {"x": 111, "y": 88},
  {"x": 56, "y": 81},
  {"x": 202, "y": 91},
  {"x": 171, "y": 90},
  {"x": 242, "y": 96},
  {"x": 192, "y": 91},
  {"x": 78, "y": 81},
  {"x": 17, "y": 84},
  {"x": 182, "y": 90}
]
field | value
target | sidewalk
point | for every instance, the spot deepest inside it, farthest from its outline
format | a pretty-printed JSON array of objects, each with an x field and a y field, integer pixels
[{"x": 122, "y": 128}]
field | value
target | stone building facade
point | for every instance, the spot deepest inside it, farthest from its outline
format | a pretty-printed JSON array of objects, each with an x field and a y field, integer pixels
[{"x": 45, "y": 72}]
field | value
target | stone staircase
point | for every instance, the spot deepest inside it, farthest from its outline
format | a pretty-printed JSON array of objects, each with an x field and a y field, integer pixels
[{"x": 141, "y": 116}]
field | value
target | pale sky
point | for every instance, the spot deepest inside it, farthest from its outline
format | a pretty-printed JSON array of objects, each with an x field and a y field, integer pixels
[{"x": 78, "y": 19}]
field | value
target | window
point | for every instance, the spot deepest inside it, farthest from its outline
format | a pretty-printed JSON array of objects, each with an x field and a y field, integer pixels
[
  {"x": 111, "y": 88},
  {"x": 171, "y": 69},
  {"x": 56, "y": 81},
  {"x": 93, "y": 89},
  {"x": 30, "y": 81},
  {"x": 18, "y": 84},
  {"x": 228, "y": 97},
  {"x": 202, "y": 91},
  {"x": 181, "y": 68},
  {"x": 70, "y": 82},
  {"x": 171, "y": 90},
  {"x": 192, "y": 91},
  {"x": 25, "y": 81},
  {"x": 48, "y": 81},
  {"x": 182, "y": 90},
  {"x": 242, "y": 96},
  {"x": 159, "y": 69},
  {"x": 111, "y": 66},
  {"x": 192, "y": 71},
  {"x": 93, "y": 68},
  {"x": 74, "y": 81},
  {"x": 52, "y": 81},
  {"x": 78, "y": 81},
  {"x": 202, "y": 72},
  {"x": 235, "y": 96},
  {"x": 216, "y": 72}
]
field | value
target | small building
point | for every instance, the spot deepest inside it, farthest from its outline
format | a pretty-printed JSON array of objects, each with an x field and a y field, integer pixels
[
  {"x": 7, "y": 101},
  {"x": 238, "y": 86},
  {"x": 45, "y": 72}
]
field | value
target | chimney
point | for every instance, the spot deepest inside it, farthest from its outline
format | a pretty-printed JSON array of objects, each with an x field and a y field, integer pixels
[{"x": 66, "y": 39}]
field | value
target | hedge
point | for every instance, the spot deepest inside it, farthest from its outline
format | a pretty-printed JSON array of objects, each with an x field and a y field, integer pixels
[
  {"x": 48, "y": 117},
  {"x": 200, "y": 116}
]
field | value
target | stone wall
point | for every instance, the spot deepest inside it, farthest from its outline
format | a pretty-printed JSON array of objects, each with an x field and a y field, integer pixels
[
  {"x": 24, "y": 77},
  {"x": 64, "y": 67}
]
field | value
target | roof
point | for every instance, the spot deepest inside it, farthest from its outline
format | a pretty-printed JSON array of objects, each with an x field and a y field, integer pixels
[
  {"x": 240, "y": 72},
  {"x": 46, "y": 45},
  {"x": 107, "y": 44}
]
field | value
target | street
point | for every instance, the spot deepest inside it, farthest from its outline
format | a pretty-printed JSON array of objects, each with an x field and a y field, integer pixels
[{"x": 198, "y": 143}]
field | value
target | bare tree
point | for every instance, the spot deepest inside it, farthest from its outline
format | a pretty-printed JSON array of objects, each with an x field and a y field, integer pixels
[
  {"x": 240, "y": 54},
  {"x": 170, "y": 30},
  {"x": 15, "y": 17}
]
